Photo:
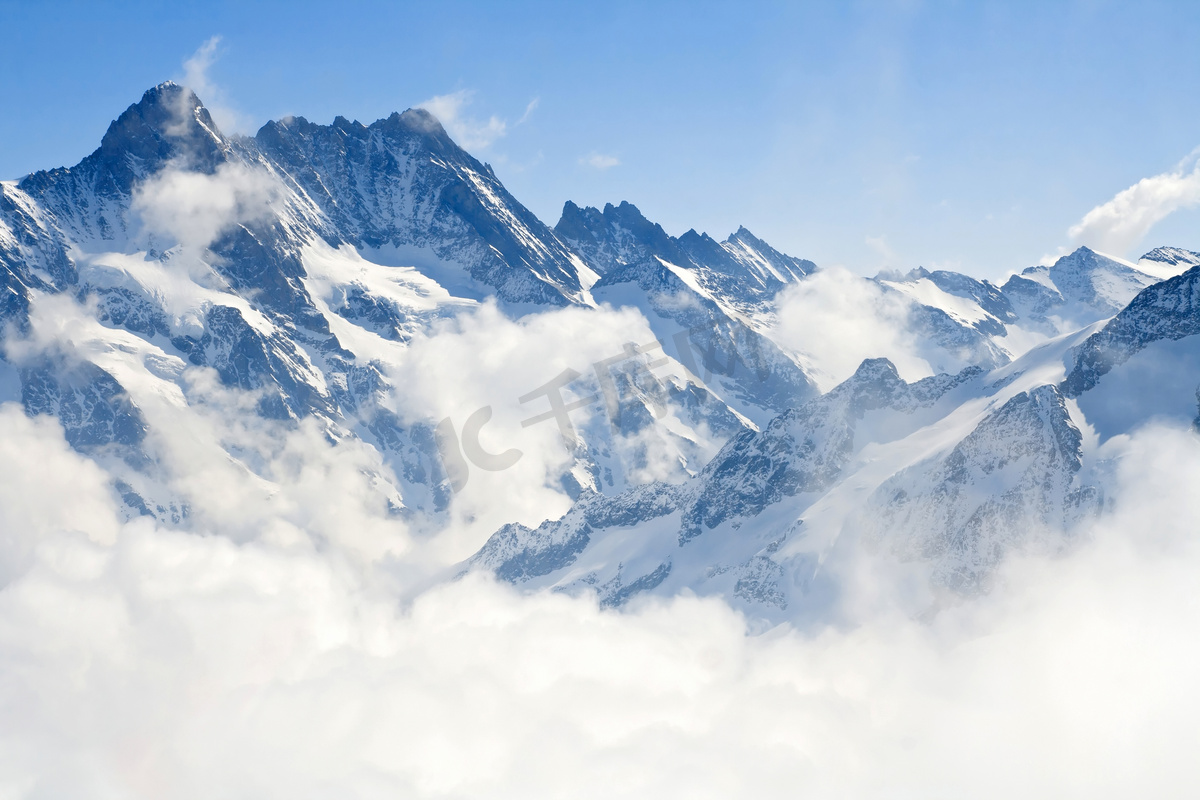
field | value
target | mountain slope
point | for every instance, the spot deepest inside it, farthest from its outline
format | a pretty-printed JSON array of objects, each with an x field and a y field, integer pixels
[
  {"x": 1077, "y": 290},
  {"x": 402, "y": 184},
  {"x": 708, "y": 306},
  {"x": 950, "y": 474},
  {"x": 297, "y": 266},
  {"x": 232, "y": 293},
  {"x": 1167, "y": 262}
]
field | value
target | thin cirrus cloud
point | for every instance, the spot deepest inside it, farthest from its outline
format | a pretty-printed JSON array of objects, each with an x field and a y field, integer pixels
[
  {"x": 600, "y": 161},
  {"x": 1116, "y": 226},
  {"x": 529, "y": 109}
]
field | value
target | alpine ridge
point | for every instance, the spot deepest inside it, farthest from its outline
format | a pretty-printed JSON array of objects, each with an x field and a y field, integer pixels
[{"x": 316, "y": 279}]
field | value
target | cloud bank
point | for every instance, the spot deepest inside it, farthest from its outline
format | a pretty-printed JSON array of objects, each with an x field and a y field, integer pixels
[{"x": 139, "y": 661}]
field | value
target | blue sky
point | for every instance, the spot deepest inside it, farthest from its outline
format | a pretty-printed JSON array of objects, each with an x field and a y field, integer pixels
[{"x": 965, "y": 135}]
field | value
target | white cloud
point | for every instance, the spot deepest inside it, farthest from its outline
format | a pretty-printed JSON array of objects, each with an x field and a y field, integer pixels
[
  {"x": 196, "y": 77},
  {"x": 1116, "y": 226},
  {"x": 600, "y": 161},
  {"x": 196, "y": 67},
  {"x": 470, "y": 133},
  {"x": 139, "y": 661},
  {"x": 31, "y": 504},
  {"x": 833, "y": 319},
  {"x": 486, "y": 359},
  {"x": 193, "y": 209},
  {"x": 880, "y": 245},
  {"x": 529, "y": 109}
]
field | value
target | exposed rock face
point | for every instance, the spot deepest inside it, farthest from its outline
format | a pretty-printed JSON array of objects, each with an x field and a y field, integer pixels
[
  {"x": 1169, "y": 310},
  {"x": 709, "y": 290},
  {"x": 246, "y": 302},
  {"x": 401, "y": 182},
  {"x": 805, "y": 449}
]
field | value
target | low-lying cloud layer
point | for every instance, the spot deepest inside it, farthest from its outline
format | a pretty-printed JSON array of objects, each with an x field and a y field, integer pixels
[{"x": 138, "y": 661}]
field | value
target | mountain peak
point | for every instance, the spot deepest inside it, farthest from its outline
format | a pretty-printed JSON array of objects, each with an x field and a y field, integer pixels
[
  {"x": 1167, "y": 262},
  {"x": 417, "y": 122},
  {"x": 743, "y": 234},
  {"x": 579, "y": 224},
  {"x": 167, "y": 105},
  {"x": 872, "y": 370},
  {"x": 168, "y": 122},
  {"x": 1172, "y": 256},
  {"x": 1083, "y": 258},
  {"x": 1104, "y": 283},
  {"x": 420, "y": 119}
]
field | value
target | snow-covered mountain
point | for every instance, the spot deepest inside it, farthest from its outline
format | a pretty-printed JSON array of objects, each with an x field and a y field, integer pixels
[
  {"x": 299, "y": 263},
  {"x": 953, "y": 472},
  {"x": 1167, "y": 262},
  {"x": 341, "y": 279},
  {"x": 719, "y": 292},
  {"x": 1078, "y": 289}
]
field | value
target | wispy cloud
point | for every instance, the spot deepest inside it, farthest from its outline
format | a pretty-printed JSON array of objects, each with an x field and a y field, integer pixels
[
  {"x": 470, "y": 132},
  {"x": 1123, "y": 221},
  {"x": 529, "y": 109},
  {"x": 600, "y": 161},
  {"x": 195, "y": 69},
  {"x": 196, "y": 77},
  {"x": 880, "y": 245}
]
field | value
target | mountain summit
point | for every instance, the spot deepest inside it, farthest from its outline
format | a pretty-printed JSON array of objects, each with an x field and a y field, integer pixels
[{"x": 325, "y": 288}]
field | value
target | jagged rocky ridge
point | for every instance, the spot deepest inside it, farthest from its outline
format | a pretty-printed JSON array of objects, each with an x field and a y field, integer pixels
[
  {"x": 384, "y": 229},
  {"x": 1076, "y": 290},
  {"x": 262, "y": 294},
  {"x": 1167, "y": 311},
  {"x": 710, "y": 290},
  {"x": 803, "y": 451},
  {"x": 952, "y": 472}
]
